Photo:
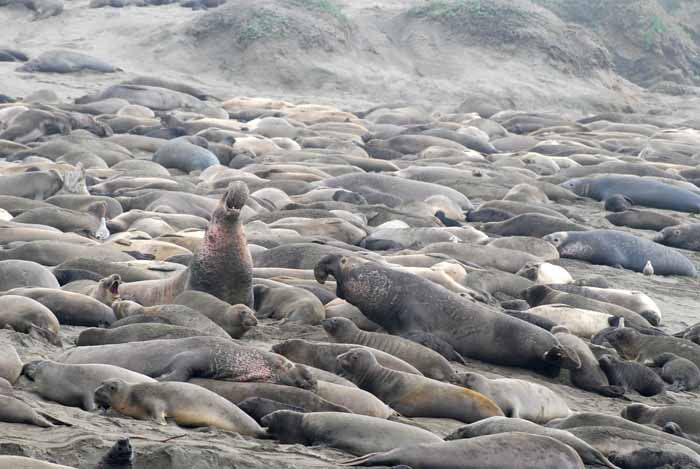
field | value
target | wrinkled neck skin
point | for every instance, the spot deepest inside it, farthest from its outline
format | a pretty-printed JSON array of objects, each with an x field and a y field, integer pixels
[
  {"x": 371, "y": 378},
  {"x": 369, "y": 288}
]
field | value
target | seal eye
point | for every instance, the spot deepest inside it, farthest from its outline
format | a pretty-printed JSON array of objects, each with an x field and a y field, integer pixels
[
  {"x": 343, "y": 261},
  {"x": 677, "y": 232}
]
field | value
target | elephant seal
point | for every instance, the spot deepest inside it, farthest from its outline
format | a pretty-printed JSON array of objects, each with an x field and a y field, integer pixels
[
  {"x": 652, "y": 458},
  {"x": 536, "y": 225},
  {"x": 355, "y": 399},
  {"x": 188, "y": 404},
  {"x": 415, "y": 396},
  {"x": 29, "y": 316},
  {"x": 221, "y": 266},
  {"x": 65, "y": 61},
  {"x": 685, "y": 416},
  {"x": 497, "y": 425},
  {"x": 89, "y": 223},
  {"x": 184, "y": 154},
  {"x": 535, "y": 246},
  {"x": 580, "y": 322},
  {"x": 681, "y": 236},
  {"x": 305, "y": 399},
  {"x": 680, "y": 373},
  {"x": 18, "y": 273},
  {"x": 618, "y": 249},
  {"x": 634, "y": 300},
  {"x": 10, "y": 363},
  {"x": 641, "y": 191},
  {"x": 354, "y": 434},
  {"x": 635, "y": 346},
  {"x": 288, "y": 303},
  {"x": 544, "y": 295},
  {"x": 106, "y": 291},
  {"x": 205, "y": 357},
  {"x": 588, "y": 376},
  {"x": 499, "y": 450},
  {"x": 617, "y": 203},
  {"x": 136, "y": 332},
  {"x": 632, "y": 376},
  {"x": 545, "y": 273},
  {"x": 71, "y": 309},
  {"x": 236, "y": 320},
  {"x": 176, "y": 315},
  {"x": 74, "y": 385},
  {"x": 396, "y": 301},
  {"x": 323, "y": 355},
  {"x": 259, "y": 407},
  {"x": 84, "y": 268},
  {"x": 642, "y": 219},
  {"x": 518, "y": 398},
  {"x": 430, "y": 363},
  {"x": 119, "y": 456},
  {"x": 14, "y": 410}
]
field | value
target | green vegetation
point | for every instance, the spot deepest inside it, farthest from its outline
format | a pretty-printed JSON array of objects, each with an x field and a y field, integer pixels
[
  {"x": 654, "y": 31},
  {"x": 323, "y": 6},
  {"x": 262, "y": 23}
]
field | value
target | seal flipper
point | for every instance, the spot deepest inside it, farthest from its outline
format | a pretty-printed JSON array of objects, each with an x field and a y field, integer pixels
[
  {"x": 611, "y": 391},
  {"x": 437, "y": 344}
]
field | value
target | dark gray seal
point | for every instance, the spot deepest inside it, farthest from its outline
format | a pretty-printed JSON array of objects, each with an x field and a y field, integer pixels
[
  {"x": 642, "y": 219},
  {"x": 652, "y": 458},
  {"x": 396, "y": 301},
  {"x": 120, "y": 456},
  {"x": 183, "y": 154},
  {"x": 618, "y": 249},
  {"x": 685, "y": 416},
  {"x": 632, "y": 376},
  {"x": 641, "y": 191},
  {"x": 64, "y": 61},
  {"x": 355, "y": 434},
  {"x": 617, "y": 203},
  {"x": 680, "y": 373},
  {"x": 680, "y": 236},
  {"x": 635, "y": 346},
  {"x": 530, "y": 224}
]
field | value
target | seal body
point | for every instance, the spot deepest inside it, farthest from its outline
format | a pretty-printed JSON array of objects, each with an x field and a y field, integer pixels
[
  {"x": 631, "y": 375},
  {"x": 681, "y": 236},
  {"x": 187, "y": 404},
  {"x": 618, "y": 249},
  {"x": 687, "y": 417},
  {"x": 355, "y": 434},
  {"x": 403, "y": 303},
  {"x": 680, "y": 373},
  {"x": 28, "y": 316},
  {"x": 236, "y": 320}
]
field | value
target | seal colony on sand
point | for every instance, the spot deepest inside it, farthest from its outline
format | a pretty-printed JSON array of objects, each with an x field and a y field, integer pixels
[{"x": 361, "y": 282}]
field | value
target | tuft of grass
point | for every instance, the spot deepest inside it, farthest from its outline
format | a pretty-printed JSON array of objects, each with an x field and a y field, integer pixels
[
  {"x": 263, "y": 23},
  {"x": 323, "y": 6},
  {"x": 655, "y": 29}
]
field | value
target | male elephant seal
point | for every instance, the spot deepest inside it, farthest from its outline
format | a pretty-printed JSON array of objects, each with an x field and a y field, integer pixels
[
  {"x": 646, "y": 192},
  {"x": 681, "y": 236},
  {"x": 518, "y": 398},
  {"x": 74, "y": 385},
  {"x": 497, "y": 425},
  {"x": 188, "y": 404},
  {"x": 323, "y": 355},
  {"x": 10, "y": 363},
  {"x": 680, "y": 373},
  {"x": 501, "y": 450},
  {"x": 204, "y": 357},
  {"x": 404, "y": 303},
  {"x": 632, "y": 376},
  {"x": 221, "y": 266},
  {"x": 236, "y": 320},
  {"x": 618, "y": 249},
  {"x": 588, "y": 376},
  {"x": 685, "y": 416},
  {"x": 430, "y": 363},
  {"x": 355, "y": 434},
  {"x": 415, "y": 396},
  {"x": 29, "y": 316}
]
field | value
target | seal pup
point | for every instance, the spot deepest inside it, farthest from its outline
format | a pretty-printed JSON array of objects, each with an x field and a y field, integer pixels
[
  {"x": 632, "y": 376},
  {"x": 685, "y": 416},
  {"x": 236, "y": 320},
  {"x": 545, "y": 273},
  {"x": 355, "y": 434},
  {"x": 652, "y": 457},
  {"x": 430, "y": 363},
  {"x": 120, "y": 456},
  {"x": 288, "y": 303},
  {"x": 74, "y": 385},
  {"x": 680, "y": 373},
  {"x": 499, "y": 450},
  {"x": 415, "y": 396},
  {"x": 396, "y": 301},
  {"x": 14, "y": 410},
  {"x": 188, "y": 404},
  {"x": 518, "y": 398},
  {"x": 632, "y": 345}
]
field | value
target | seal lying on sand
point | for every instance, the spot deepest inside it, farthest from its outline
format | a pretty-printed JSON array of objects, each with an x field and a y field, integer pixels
[{"x": 403, "y": 303}]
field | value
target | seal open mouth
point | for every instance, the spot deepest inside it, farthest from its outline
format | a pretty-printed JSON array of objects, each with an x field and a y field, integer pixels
[{"x": 114, "y": 288}]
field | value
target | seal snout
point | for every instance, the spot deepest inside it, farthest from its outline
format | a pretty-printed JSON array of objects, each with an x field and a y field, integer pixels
[{"x": 30, "y": 369}]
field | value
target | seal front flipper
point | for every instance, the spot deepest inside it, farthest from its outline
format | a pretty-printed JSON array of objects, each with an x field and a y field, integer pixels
[
  {"x": 437, "y": 344},
  {"x": 611, "y": 391}
]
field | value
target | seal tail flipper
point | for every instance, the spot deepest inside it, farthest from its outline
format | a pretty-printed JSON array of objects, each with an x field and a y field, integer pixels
[
  {"x": 612, "y": 391},
  {"x": 367, "y": 458}
]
